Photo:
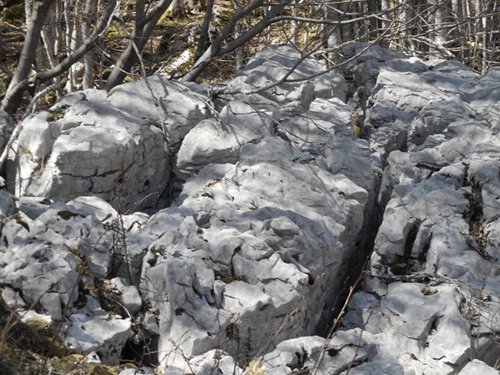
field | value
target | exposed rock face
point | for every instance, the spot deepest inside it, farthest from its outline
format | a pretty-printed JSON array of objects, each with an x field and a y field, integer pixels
[
  {"x": 112, "y": 146},
  {"x": 263, "y": 203}
]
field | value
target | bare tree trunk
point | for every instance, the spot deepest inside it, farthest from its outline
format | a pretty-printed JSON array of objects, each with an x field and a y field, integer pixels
[
  {"x": 333, "y": 36},
  {"x": 204, "y": 30},
  {"x": 144, "y": 25},
  {"x": 238, "y": 31},
  {"x": 21, "y": 81},
  {"x": 438, "y": 26},
  {"x": 484, "y": 28},
  {"x": 294, "y": 24},
  {"x": 385, "y": 5},
  {"x": 48, "y": 54},
  {"x": 16, "y": 87},
  {"x": 74, "y": 20},
  {"x": 219, "y": 49},
  {"x": 28, "y": 10},
  {"x": 90, "y": 15},
  {"x": 372, "y": 7}
]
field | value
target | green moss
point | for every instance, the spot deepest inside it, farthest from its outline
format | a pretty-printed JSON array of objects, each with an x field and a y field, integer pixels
[
  {"x": 28, "y": 152},
  {"x": 69, "y": 363},
  {"x": 14, "y": 14},
  {"x": 357, "y": 131},
  {"x": 74, "y": 250},
  {"x": 166, "y": 21},
  {"x": 56, "y": 114},
  {"x": 116, "y": 32},
  {"x": 37, "y": 335},
  {"x": 110, "y": 302},
  {"x": 82, "y": 268},
  {"x": 103, "y": 370},
  {"x": 9, "y": 361}
]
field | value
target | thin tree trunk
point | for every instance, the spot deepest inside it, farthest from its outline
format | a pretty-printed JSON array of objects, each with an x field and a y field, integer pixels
[
  {"x": 218, "y": 49},
  {"x": 333, "y": 36},
  {"x": 439, "y": 32},
  {"x": 204, "y": 30},
  {"x": 28, "y": 10},
  {"x": 21, "y": 81},
  {"x": 16, "y": 87},
  {"x": 76, "y": 40},
  {"x": 144, "y": 25},
  {"x": 294, "y": 24},
  {"x": 238, "y": 31},
  {"x": 90, "y": 13}
]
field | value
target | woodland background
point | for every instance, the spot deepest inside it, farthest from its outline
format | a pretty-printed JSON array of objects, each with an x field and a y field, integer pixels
[{"x": 70, "y": 45}]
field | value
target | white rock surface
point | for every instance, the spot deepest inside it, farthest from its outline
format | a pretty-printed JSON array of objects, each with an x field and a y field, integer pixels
[{"x": 273, "y": 204}]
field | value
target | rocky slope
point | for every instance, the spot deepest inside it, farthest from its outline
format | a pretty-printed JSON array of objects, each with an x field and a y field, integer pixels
[{"x": 214, "y": 224}]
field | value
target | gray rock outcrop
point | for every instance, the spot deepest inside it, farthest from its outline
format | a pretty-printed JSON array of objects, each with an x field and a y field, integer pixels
[{"x": 217, "y": 225}]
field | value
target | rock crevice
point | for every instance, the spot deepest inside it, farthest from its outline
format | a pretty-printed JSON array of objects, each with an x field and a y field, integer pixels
[{"x": 222, "y": 229}]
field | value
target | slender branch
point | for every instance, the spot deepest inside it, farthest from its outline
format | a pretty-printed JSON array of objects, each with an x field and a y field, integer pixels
[
  {"x": 21, "y": 83},
  {"x": 296, "y": 65},
  {"x": 215, "y": 49},
  {"x": 204, "y": 30}
]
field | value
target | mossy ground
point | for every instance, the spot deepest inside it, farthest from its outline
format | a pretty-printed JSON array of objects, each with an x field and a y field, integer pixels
[{"x": 32, "y": 348}]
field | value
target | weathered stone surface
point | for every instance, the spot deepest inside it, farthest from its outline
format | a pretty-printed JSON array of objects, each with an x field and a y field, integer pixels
[
  {"x": 437, "y": 146},
  {"x": 180, "y": 106},
  {"x": 98, "y": 333},
  {"x": 238, "y": 246},
  {"x": 6, "y": 127},
  {"x": 219, "y": 140},
  {"x": 95, "y": 149},
  {"x": 130, "y": 295},
  {"x": 112, "y": 146},
  {"x": 270, "y": 65},
  {"x": 277, "y": 202},
  {"x": 57, "y": 257},
  {"x": 478, "y": 367}
]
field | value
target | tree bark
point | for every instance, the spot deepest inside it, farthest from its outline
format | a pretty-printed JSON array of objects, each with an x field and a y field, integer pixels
[
  {"x": 90, "y": 12},
  {"x": 204, "y": 30},
  {"x": 144, "y": 25},
  {"x": 17, "y": 86},
  {"x": 21, "y": 80},
  {"x": 218, "y": 49}
]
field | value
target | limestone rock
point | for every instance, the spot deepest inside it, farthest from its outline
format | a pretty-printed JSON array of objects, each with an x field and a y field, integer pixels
[
  {"x": 237, "y": 245},
  {"x": 213, "y": 141},
  {"x": 95, "y": 149},
  {"x": 180, "y": 106},
  {"x": 271, "y": 64},
  {"x": 6, "y": 128},
  {"x": 478, "y": 367},
  {"x": 100, "y": 333},
  {"x": 275, "y": 201}
]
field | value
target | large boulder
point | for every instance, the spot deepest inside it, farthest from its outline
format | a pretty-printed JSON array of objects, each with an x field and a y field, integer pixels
[
  {"x": 114, "y": 146},
  {"x": 431, "y": 286},
  {"x": 56, "y": 262},
  {"x": 233, "y": 264}
]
